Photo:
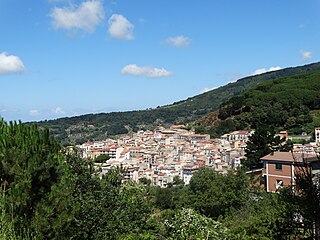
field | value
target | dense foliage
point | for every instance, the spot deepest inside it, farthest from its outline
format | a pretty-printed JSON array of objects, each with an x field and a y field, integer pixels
[
  {"x": 98, "y": 126},
  {"x": 50, "y": 193},
  {"x": 289, "y": 103},
  {"x": 306, "y": 202},
  {"x": 261, "y": 143},
  {"x": 47, "y": 193}
]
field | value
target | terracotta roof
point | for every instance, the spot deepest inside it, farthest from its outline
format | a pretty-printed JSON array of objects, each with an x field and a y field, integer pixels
[
  {"x": 243, "y": 132},
  {"x": 287, "y": 157}
]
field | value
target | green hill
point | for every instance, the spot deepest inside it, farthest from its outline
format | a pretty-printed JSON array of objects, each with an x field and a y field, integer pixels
[
  {"x": 97, "y": 126},
  {"x": 290, "y": 103}
]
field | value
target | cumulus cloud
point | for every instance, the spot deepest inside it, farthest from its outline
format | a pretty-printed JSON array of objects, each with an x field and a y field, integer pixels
[
  {"x": 146, "y": 71},
  {"x": 58, "y": 111},
  {"x": 264, "y": 70},
  {"x": 120, "y": 27},
  {"x": 178, "y": 41},
  {"x": 306, "y": 55},
  {"x": 86, "y": 16},
  {"x": 10, "y": 64}
]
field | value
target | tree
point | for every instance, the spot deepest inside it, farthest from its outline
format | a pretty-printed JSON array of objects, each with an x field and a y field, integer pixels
[
  {"x": 107, "y": 209},
  {"x": 177, "y": 182},
  {"x": 306, "y": 199},
  {"x": 51, "y": 193},
  {"x": 261, "y": 217},
  {"x": 145, "y": 181},
  {"x": 31, "y": 170},
  {"x": 186, "y": 223},
  {"x": 102, "y": 158},
  {"x": 214, "y": 194},
  {"x": 261, "y": 143}
]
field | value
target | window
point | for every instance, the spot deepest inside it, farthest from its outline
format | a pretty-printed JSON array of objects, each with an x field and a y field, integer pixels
[
  {"x": 279, "y": 184},
  {"x": 278, "y": 166}
]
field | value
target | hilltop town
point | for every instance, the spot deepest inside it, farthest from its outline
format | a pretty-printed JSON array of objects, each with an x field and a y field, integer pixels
[{"x": 164, "y": 154}]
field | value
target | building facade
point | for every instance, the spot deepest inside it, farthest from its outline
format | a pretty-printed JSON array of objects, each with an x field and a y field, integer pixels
[{"x": 281, "y": 168}]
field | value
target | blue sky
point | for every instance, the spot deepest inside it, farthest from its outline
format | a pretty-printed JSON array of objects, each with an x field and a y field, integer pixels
[{"x": 70, "y": 57}]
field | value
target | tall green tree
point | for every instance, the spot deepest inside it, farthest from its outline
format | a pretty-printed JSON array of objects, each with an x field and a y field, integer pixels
[
  {"x": 262, "y": 142},
  {"x": 305, "y": 201},
  {"x": 214, "y": 194},
  {"x": 31, "y": 170},
  {"x": 263, "y": 217},
  {"x": 53, "y": 194}
]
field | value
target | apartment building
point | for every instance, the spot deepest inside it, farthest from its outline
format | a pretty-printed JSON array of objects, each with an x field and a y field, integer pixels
[{"x": 280, "y": 168}]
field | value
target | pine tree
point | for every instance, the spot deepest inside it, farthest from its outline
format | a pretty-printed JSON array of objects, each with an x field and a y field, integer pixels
[{"x": 261, "y": 143}]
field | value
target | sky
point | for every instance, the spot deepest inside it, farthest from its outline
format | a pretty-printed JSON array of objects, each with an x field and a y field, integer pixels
[{"x": 63, "y": 58}]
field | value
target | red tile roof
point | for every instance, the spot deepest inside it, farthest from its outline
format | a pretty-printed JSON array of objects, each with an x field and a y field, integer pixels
[{"x": 287, "y": 157}]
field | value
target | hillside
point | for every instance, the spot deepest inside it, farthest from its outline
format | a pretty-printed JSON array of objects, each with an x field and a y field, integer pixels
[
  {"x": 97, "y": 126},
  {"x": 290, "y": 103}
]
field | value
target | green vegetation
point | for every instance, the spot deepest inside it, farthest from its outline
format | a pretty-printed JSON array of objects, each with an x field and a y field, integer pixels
[
  {"x": 48, "y": 192},
  {"x": 99, "y": 126},
  {"x": 102, "y": 158},
  {"x": 261, "y": 143},
  {"x": 307, "y": 202},
  {"x": 289, "y": 103},
  {"x": 214, "y": 194}
]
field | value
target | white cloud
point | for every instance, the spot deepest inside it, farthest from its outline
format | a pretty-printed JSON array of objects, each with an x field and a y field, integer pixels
[
  {"x": 33, "y": 112},
  {"x": 264, "y": 70},
  {"x": 10, "y": 64},
  {"x": 207, "y": 89},
  {"x": 58, "y": 111},
  {"x": 178, "y": 41},
  {"x": 86, "y": 16},
  {"x": 146, "y": 71},
  {"x": 120, "y": 27},
  {"x": 306, "y": 55}
]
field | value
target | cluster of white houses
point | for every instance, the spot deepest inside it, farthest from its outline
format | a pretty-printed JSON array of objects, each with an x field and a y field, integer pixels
[{"x": 163, "y": 154}]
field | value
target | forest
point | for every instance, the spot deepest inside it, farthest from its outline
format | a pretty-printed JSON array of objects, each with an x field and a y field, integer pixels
[
  {"x": 289, "y": 103},
  {"x": 48, "y": 192},
  {"x": 76, "y": 130}
]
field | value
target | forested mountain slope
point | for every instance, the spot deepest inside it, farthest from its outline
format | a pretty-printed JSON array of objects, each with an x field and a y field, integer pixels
[
  {"x": 97, "y": 126},
  {"x": 289, "y": 103}
]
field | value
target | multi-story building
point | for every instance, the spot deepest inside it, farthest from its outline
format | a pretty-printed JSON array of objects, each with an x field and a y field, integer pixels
[{"x": 281, "y": 168}]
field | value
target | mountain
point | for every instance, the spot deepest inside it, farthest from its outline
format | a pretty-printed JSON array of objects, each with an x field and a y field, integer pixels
[
  {"x": 289, "y": 103},
  {"x": 97, "y": 126}
]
